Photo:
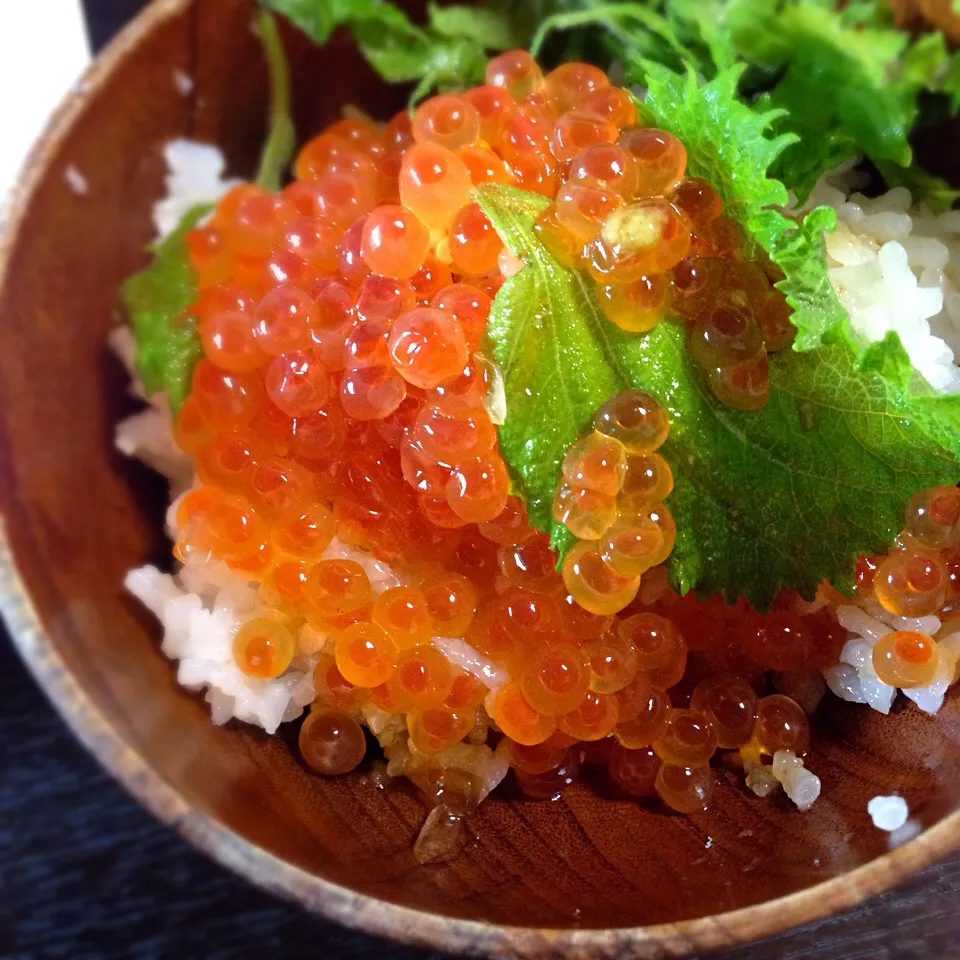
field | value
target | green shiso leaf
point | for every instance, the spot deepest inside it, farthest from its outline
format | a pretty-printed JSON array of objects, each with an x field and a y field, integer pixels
[
  {"x": 784, "y": 496},
  {"x": 730, "y": 145},
  {"x": 448, "y": 53},
  {"x": 157, "y": 300}
]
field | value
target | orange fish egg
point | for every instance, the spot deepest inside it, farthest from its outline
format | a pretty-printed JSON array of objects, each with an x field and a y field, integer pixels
[
  {"x": 331, "y": 742},
  {"x": 263, "y": 648},
  {"x": 661, "y": 160},
  {"x": 403, "y": 612},
  {"x": 516, "y": 71},
  {"x": 593, "y": 584},
  {"x": 394, "y": 242},
  {"x": 448, "y": 120},
  {"x": 365, "y": 654},
  {"x": 434, "y": 184},
  {"x": 593, "y": 719},
  {"x": 437, "y": 728},
  {"x": 518, "y": 719},
  {"x": 422, "y": 678},
  {"x": 906, "y": 658}
]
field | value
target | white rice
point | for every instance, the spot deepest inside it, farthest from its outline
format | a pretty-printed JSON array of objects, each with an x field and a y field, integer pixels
[
  {"x": 194, "y": 176},
  {"x": 888, "y": 813},
  {"x": 896, "y": 266}
]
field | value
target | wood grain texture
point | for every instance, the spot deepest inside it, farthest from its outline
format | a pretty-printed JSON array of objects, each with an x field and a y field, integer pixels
[
  {"x": 89, "y": 876},
  {"x": 588, "y": 876}
]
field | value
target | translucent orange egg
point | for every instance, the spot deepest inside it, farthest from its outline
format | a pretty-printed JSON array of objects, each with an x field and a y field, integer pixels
[
  {"x": 436, "y": 728},
  {"x": 685, "y": 789},
  {"x": 570, "y": 83},
  {"x": 581, "y": 209},
  {"x": 306, "y": 535},
  {"x": 315, "y": 240},
  {"x": 586, "y": 513},
  {"x": 228, "y": 460},
  {"x": 318, "y": 435},
  {"x": 607, "y": 166},
  {"x": 509, "y": 526},
  {"x": 774, "y": 317},
  {"x": 933, "y": 516},
  {"x": 228, "y": 341},
  {"x": 520, "y": 620},
  {"x": 689, "y": 739},
  {"x": 636, "y": 307},
  {"x": 644, "y": 711},
  {"x": 466, "y": 693},
  {"x": 422, "y": 678},
  {"x": 372, "y": 393},
  {"x": 432, "y": 277},
  {"x": 634, "y": 771},
  {"x": 593, "y": 584},
  {"x": 555, "y": 680},
  {"x": 223, "y": 399},
  {"x": 332, "y": 688},
  {"x": 781, "y": 725},
  {"x": 360, "y": 132},
  {"x": 906, "y": 658},
  {"x": 353, "y": 266},
  {"x": 577, "y": 130},
  {"x": 697, "y": 200},
  {"x": 451, "y": 602},
  {"x": 558, "y": 240},
  {"x": 517, "y": 719},
  {"x": 661, "y": 160},
  {"x": 383, "y": 299},
  {"x": 263, "y": 648},
  {"x": 403, "y": 612},
  {"x": 538, "y": 757},
  {"x": 478, "y": 488},
  {"x": 492, "y": 105},
  {"x": 394, "y": 242},
  {"x": 516, "y": 71},
  {"x": 280, "y": 489},
  {"x": 232, "y": 529},
  {"x": 636, "y": 419},
  {"x": 911, "y": 584},
  {"x": 448, "y": 120},
  {"x": 483, "y": 164},
  {"x": 594, "y": 718},
  {"x": 731, "y": 705},
  {"x": 365, "y": 654},
  {"x": 474, "y": 244},
  {"x": 533, "y": 170},
  {"x": 331, "y": 742},
  {"x": 427, "y": 346},
  {"x": 258, "y": 224},
  {"x": 550, "y": 784},
  {"x": 640, "y": 238},
  {"x": 338, "y": 586},
  {"x": 283, "y": 585},
  {"x": 653, "y": 637},
  {"x": 434, "y": 184},
  {"x": 597, "y": 462},
  {"x": 297, "y": 383},
  {"x": 612, "y": 662},
  {"x": 470, "y": 306},
  {"x": 613, "y": 104}
]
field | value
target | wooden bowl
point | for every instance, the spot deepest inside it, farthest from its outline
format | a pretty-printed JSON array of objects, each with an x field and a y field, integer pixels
[{"x": 587, "y": 876}]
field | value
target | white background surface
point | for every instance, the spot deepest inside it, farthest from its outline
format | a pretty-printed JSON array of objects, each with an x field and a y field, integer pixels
[{"x": 43, "y": 49}]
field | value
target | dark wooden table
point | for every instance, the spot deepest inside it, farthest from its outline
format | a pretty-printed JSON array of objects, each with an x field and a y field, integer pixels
[{"x": 86, "y": 874}]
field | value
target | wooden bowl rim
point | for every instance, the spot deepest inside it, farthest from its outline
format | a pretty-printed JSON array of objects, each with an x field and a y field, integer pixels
[{"x": 355, "y": 910}]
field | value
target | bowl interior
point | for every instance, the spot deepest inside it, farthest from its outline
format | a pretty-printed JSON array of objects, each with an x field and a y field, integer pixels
[{"x": 78, "y": 515}]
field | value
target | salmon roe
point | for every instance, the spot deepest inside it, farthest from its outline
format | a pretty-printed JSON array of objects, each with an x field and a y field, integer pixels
[{"x": 348, "y": 469}]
